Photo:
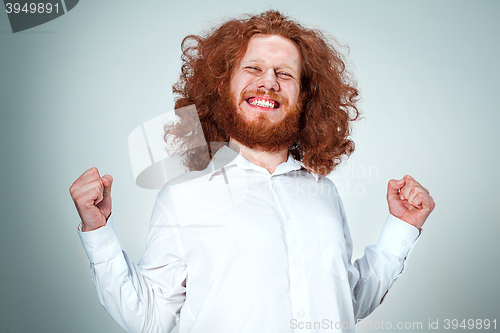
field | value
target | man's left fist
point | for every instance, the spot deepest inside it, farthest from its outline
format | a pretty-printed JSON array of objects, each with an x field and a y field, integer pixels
[{"x": 409, "y": 201}]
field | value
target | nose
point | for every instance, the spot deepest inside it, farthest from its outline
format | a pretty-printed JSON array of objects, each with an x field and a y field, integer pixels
[{"x": 269, "y": 81}]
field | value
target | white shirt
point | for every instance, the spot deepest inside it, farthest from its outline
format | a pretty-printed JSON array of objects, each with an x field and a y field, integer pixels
[{"x": 236, "y": 249}]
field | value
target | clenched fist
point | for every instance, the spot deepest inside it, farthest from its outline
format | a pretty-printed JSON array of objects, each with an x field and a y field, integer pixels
[
  {"x": 409, "y": 201},
  {"x": 92, "y": 196}
]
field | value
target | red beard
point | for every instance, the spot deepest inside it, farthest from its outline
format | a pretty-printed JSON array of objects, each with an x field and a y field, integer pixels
[{"x": 260, "y": 133}]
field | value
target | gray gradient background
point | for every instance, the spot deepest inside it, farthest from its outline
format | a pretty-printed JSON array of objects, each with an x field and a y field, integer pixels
[{"x": 74, "y": 88}]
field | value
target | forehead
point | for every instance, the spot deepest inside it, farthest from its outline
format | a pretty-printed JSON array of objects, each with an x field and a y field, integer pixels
[{"x": 273, "y": 50}]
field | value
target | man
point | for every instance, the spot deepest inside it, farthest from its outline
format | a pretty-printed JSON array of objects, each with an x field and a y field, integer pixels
[{"x": 257, "y": 241}]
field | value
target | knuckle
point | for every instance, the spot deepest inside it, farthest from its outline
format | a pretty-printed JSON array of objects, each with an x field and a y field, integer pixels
[
  {"x": 94, "y": 176},
  {"x": 74, "y": 186},
  {"x": 79, "y": 202},
  {"x": 96, "y": 183},
  {"x": 96, "y": 190}
]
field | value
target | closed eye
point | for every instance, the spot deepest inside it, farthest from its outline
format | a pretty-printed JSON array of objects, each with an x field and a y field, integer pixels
[
  {"x": 285, "y": 75},
  {"x": 253, "y": 68}
]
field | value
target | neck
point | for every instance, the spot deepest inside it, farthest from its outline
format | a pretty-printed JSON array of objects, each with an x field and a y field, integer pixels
[{"x": 265, "y": 159}]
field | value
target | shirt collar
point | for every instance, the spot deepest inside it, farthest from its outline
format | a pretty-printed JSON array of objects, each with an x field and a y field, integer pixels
[{"x": 226, "y": 157}]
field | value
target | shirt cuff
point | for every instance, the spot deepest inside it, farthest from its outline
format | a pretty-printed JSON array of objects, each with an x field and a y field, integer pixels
[
  {"x": 100, "y": 244},
  {"x": 398, "y": 236}
]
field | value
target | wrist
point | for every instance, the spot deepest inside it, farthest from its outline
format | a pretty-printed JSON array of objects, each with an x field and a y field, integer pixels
[{"x": 86, "y": 228}]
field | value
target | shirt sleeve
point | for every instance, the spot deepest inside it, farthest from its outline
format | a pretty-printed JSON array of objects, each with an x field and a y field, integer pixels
[
  {"x": 143, "y": 298},
  {"x": 371, "y": 276}
]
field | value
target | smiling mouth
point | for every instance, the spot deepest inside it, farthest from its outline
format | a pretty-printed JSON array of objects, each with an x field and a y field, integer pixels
[{"x": 263, "y": 102}]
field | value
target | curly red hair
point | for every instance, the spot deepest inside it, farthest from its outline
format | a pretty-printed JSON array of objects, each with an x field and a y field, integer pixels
[{"x": 328, "y": 91}]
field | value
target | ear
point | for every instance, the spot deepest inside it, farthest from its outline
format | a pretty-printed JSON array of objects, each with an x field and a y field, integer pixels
[{"x": 220, "y": 88}]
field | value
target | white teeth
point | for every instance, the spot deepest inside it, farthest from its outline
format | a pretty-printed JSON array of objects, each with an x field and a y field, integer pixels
[{"x": 262, "y": 103}]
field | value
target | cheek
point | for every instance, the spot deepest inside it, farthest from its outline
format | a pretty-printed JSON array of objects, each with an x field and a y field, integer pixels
[
  {"x": 291, "y": 89},
  {"x": 238, "y": 83},
  {"x": 294, "y": 95}
]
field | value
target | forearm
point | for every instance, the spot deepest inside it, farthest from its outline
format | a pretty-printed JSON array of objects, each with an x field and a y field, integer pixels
[
  {"x": 120, "y": 292},
  {"x": 381, "y": 265},
  {"x": 131, "y": 298}
]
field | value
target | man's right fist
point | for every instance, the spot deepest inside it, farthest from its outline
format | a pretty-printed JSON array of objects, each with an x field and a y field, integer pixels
[{"x": 92, "y": 196}]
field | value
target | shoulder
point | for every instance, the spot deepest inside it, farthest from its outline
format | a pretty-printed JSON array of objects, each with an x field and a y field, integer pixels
[
  {"x": 320, "y": 181},
  {"x": 183, "y": 185},
  {"x": 193, "y": 198}
]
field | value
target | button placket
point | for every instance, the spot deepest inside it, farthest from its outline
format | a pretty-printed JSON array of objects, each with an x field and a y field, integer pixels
[
  {"x": 290, "y": 225},
  {"x": 271, "y": 180}
]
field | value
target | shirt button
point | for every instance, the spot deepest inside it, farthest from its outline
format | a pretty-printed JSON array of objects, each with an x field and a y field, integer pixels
[
  {"x": 288, "y": 216},
  {"x": 403, "y": 242},
  {"x": 111, "y": 241},
  {"x": 273, "y": 177},
  {"x": 125, "y": 279},
  {"x": 301, "y": 313},
  {"x": 296, "y": 263}
]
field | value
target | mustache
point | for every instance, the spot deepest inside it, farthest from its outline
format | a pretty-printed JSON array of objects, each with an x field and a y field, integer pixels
[{"x": 261, "y": 92}]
